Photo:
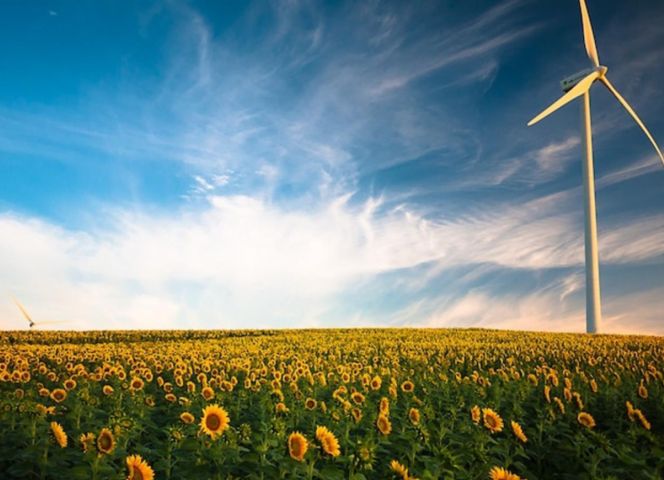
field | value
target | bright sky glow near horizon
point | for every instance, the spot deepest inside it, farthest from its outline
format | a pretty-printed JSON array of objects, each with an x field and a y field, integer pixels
[{"x": 306, "y": 164}]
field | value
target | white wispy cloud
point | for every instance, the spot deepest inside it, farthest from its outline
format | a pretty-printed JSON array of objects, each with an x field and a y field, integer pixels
[
  {"x": 537, "y": 311},
  {"x": 243, "y": 261},
  {"x": 647, "y": 165},
  {"x": 544, "y": 311}
]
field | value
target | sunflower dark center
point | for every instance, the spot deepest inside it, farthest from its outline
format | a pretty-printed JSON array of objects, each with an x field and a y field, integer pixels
[
  {"x": 105, "y": 442},
  {"x": 297, "y": 448},
  {"x": 213, "y": 422}
]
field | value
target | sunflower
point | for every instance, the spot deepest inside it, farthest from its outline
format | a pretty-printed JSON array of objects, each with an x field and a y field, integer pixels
[
  {"x": 44, "y": 410},
  {"x": 58, "y": 395},
  {"x": 643, "y": 391},
  {"x": 414, "y": 416},
  {"x": 342, "y": 390},
  {"x": 642, "y": 418},
  {"x": 384, "y": 406},
  {"x": 136, "y": 384},
  {"x": 107, "y": 389},
  {"x": 475, "y": 414},
  {"x": 579, "y": 401},
  {"x": 384, "y": 425},
  {"x": 297, "y": 446},
  {"x": 630, "y": 410},
  {"x": 499, "y": 473},
  {"x": 547, "y": 393},
  {"x": 518, "y": 432},
  {"x": 59, "y": 434},
  {"x": 105, "y": 441},
  {"x": 593, "y": 385},
  {"x": 357, "y": 414},
  {"x": 376, "y": 382},
  {"x": 357, "y": 397},
  {"x": 586, "y": 419},
  {"x": 207, "y": 393},
  {"x": 310, "y": 403},
  {"x": 560, "y": 404},
  {"x": 392, "y": 390},
  {"x": 407, "y": 386},
  {"x": 281, "y": 407},
  {"x": 87, "y": 441},
  {"x": 492, "y": 420},
  {"x": 215, "y": 420},
  {"x": 187, "y": 417},
  {"x": 399, "y": 469},
  {"x": 365, "y": 455},
  {"x": 330, "y": 444},
  {"x": 328, "y": 441},
  {"x": 70, "y": 384},
  {"x": 139, "y": 469}
]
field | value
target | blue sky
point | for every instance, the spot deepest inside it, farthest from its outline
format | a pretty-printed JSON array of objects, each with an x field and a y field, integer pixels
[{"x": 296, "y": 164}]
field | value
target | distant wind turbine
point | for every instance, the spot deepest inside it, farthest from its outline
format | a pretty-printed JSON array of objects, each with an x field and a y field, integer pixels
[
  {"x": 31, "y": 323},
  {"x": 575, "y": 86}
]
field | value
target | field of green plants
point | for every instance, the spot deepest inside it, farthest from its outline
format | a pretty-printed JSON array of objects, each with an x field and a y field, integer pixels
[{"x": 330, "y": 404}]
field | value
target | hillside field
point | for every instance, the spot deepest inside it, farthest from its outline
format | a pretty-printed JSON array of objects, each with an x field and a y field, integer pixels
[{"x": 330, "y": 404}]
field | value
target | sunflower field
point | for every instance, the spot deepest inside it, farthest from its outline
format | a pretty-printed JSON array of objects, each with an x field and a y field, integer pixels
[{"x": 330, "y": 404}]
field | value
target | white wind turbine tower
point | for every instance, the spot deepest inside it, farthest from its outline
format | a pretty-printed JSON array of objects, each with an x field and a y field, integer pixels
[{"x": 575, "y": 86}]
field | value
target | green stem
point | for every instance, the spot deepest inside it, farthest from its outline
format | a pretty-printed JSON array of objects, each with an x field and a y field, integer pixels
[
  {"x": 95, "y": 467},
  {"x": 168, "y": 465},
  {"x": 78, "y": 417},
  {"x": 33, "y": 430},
  {"x": 310, "y": 469},
  {"x": 44, "y": 463}
]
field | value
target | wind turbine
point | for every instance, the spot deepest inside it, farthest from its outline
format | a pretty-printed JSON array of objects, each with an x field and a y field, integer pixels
[
  {"x": 575, "y": 86},
  {"x": 31, "y": 323}
]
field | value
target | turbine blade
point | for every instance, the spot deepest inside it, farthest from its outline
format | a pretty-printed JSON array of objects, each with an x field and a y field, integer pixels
[
  {"x": 23, "y": 311},
  {"x": 579, "y": 89},
  {"x": 631, "y": 111},
  {"x": 588, "y": 36}
]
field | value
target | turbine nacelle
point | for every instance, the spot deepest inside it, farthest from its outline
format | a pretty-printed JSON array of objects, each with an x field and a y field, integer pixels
[{"x": 570, "y": 82}]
